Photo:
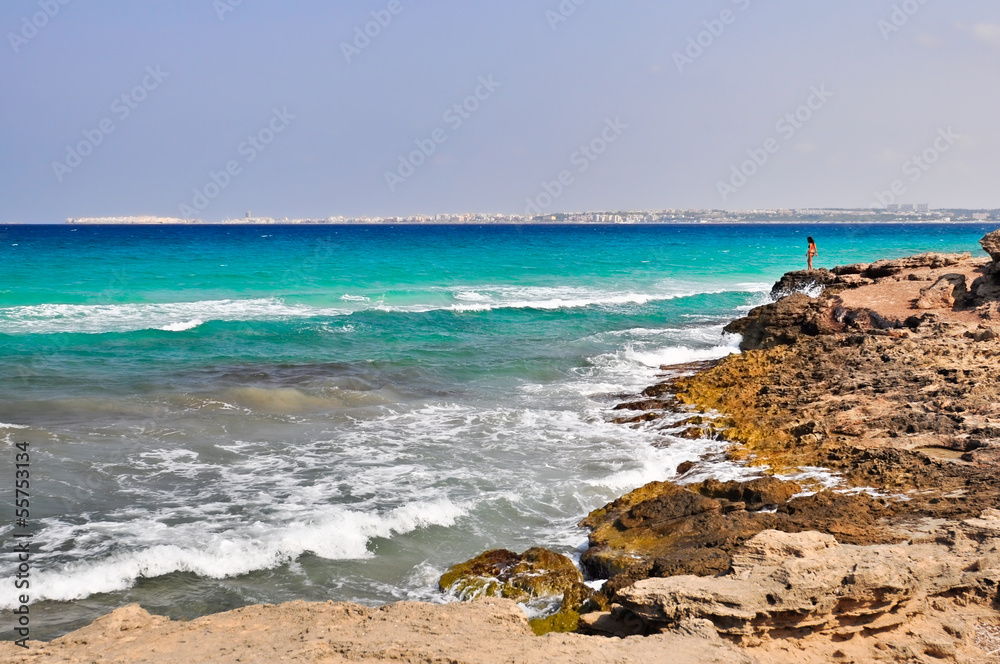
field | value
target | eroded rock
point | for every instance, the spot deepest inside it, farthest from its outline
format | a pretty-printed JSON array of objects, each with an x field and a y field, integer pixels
[
  {"x": 783, "y": 583},
  {"x": 663, "y": 529},
  {"x": 944, "y": 294}
]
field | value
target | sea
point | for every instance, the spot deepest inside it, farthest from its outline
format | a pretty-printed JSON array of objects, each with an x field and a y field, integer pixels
[{"x": 218, "y": 416}]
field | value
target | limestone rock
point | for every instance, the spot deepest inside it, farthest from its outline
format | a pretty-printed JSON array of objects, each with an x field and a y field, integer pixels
[
  {"x": 944, "y": 294},
  {"x": 663, "y": 529},
  {"x": 991, "y": 245},
  {"x": 802, "y": 281},
  {"x": 781, "y": 323},
  {"x": 782, "y": 582}
]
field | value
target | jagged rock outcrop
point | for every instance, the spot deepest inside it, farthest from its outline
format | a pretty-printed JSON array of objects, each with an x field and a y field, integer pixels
[
  {"x": 663, "y": 529},
  {"x": 802, "y": 281},
  {"x": 888, "y": 268},
  {"x": 991, "y": 245},
  {"x": 888, "y": 378},
  {"x": 784, "y": 584},
  {"x": 945, "y": 293}
]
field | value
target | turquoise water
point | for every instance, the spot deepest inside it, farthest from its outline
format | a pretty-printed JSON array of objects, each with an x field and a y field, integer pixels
[{"x": 230, "y": 415}]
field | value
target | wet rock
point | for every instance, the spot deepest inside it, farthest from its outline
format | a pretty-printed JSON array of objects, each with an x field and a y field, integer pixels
[
  {"x": 756, "y": 494},
  {"x": 802, "y": 282},
  {"x": 685, "y": 467},
  {"x": 783, "y": 322},
  {"x": 537, "y": 573},
  {"x": 645, "y": 404},
  {"x": 501, "y": 573}
]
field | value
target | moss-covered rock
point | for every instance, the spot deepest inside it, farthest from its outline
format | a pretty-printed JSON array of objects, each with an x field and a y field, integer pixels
[
  {"x": 564, "y": 621},
  {"x": 501, "y": 573},
  {"x": 663, "y": 529}
]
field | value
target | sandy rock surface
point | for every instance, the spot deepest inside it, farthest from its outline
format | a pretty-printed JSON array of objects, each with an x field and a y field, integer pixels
[
  {"x": 864, "y": 600},
  {"x": 491, "y": 631}
]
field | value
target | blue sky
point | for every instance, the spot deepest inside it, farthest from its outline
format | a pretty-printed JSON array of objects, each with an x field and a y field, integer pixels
[{"x": 257, "y": 105}]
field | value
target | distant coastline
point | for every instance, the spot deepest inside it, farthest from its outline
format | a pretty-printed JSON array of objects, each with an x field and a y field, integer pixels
[{"x": 893, "y": 214}]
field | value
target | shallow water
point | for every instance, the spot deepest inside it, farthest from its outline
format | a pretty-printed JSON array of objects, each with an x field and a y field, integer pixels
[{"x": 228, "y": 415}]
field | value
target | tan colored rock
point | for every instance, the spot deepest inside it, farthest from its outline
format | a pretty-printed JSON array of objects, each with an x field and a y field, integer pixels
[
  {"x": 784, "y": 582},
  {"x": 991, "y": 245},
  {"x": 490, "y": 631},
  {"x": 944, "y": 294}
]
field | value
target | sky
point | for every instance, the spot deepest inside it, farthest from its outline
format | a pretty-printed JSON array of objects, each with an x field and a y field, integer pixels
[{"x": 309, "y": 109}]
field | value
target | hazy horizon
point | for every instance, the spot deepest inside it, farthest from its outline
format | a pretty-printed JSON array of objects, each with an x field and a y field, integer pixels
[{"x": 395, "y": 108}]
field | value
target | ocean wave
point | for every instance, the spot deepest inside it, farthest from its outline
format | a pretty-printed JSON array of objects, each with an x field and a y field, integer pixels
[
  {"x": 339, "y": 535},
  {"x": 182, "y": 327},
  {"x": 169, "y": 316},
  {"x": 564, "y": 297},
  {"x": 183, "y": 316},
  {"x": 675, "y": 355}
]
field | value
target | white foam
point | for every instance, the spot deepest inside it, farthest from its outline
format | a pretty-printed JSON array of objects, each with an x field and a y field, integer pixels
[
  {"x": 13, "y": 426},
  {"x": 104, "y": 318},
  {"x": 181, "y": 327},
  {"x": 339, "y": 534},
  {"x": 181, "y": 316},
  {"x": 673, "y": 355},
  {"x": 547, "y": 298},
  {"x": 660, "y": 463}
]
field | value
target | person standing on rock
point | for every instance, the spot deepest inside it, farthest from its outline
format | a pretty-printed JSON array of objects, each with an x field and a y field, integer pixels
[{"x": 812, "y": 252}]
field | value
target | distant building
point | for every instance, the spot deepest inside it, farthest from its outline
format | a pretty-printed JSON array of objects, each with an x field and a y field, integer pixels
[
  {"x": 892, "y": 208},
  {"x": 907, "y": 207},
  {"x": 923, "y": 207},
  {"x": 980, "y": 216}
]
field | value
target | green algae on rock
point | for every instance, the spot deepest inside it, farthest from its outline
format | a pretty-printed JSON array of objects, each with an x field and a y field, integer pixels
[
  {"x": 663, "y": 529},
  {"x": 537, "y": 573}
]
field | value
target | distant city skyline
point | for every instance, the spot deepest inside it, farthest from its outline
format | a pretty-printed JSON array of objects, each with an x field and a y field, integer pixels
[
  {"x": 907, "y": 213},
  {"x": 209, "y": 108}
]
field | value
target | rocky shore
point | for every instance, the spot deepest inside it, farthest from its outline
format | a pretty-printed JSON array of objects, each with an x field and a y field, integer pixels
[{"x": 867, "y": 396}]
